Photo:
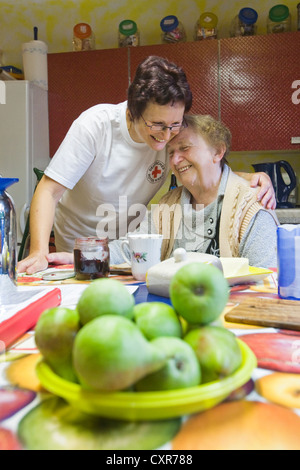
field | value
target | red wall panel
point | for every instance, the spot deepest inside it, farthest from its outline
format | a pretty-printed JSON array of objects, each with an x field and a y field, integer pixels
[
  {"x": 247, "y": 82},
  {"x": 79, "y": 80},
  {"x": 256, "y": 76}
]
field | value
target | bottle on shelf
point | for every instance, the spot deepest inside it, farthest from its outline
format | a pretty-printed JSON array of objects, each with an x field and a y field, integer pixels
[
  {"x": 298, "y": 17},
  {"x": 172, "y": 30},
  {"x": 279, "y": 19},
  {"x": 206, "y": 27},
  {"x": 83, "y": 37},
  {"x": 128, "y": 34},
  {"x": 244, "y": 24}
]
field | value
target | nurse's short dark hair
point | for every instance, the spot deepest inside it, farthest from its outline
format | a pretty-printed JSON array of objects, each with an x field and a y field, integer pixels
[{"x": 159, "y": 81}]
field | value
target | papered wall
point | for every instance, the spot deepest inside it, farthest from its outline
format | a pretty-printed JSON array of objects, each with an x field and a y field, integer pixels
[{"x": 56, "y": 18}]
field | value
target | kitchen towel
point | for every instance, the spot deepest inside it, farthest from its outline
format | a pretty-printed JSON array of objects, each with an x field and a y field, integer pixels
[
  {"x": 35, "y": 62},
  {"x": 288, "y": 252}
]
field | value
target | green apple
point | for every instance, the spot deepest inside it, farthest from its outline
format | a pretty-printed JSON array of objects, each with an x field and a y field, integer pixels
[
  {"x": 217, "y": 351},
  {"x": 157, "y": 319},
  {"x": 111, "y": 353},
  {"x": 105, "y": 296},
  {"x": 55, "y": 333},
  {"x": 182, "y": 369},
  {"x": 199, "y": 292}
]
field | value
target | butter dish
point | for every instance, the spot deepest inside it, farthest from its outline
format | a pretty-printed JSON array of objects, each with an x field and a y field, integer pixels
[
  {"x": 159, "y": 276},
  {"x": 235, "y": 270}
]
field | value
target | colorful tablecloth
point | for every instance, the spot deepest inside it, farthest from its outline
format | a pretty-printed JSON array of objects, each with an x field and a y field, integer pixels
[{"x": 263, "y": 414}]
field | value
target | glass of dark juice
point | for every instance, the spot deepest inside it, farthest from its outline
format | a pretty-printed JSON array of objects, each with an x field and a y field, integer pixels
[{"x": 91, "y": 258}]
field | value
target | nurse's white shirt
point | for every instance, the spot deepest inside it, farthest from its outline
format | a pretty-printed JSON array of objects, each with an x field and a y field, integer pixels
[{"x": 110, "y": 178}]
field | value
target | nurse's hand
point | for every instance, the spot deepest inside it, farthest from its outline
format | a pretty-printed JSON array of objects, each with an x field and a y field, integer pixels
[
  {"x": 34, "y": 263},
  {"x": 266, "y": 193}
]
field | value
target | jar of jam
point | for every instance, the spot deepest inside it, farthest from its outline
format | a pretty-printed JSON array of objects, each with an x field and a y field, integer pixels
[{"x": 91, "y": 258}]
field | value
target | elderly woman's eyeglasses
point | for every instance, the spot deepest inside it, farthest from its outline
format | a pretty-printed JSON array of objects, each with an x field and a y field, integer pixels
[{"x": 161, "y": 127}]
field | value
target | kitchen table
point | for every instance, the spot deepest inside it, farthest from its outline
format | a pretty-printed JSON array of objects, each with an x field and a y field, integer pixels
[{"x": 262, "y": 414}]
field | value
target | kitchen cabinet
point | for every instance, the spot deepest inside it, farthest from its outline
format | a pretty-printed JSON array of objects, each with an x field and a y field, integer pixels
[
  {"x": 258, "y": 91},
  {"x": 251, "y": 83},
  {"x": 79, "y": 80}
]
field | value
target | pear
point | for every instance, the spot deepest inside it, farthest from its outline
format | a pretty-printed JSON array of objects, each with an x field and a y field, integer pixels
[
  {"x": 217, "y": 351},
  {"x": 156, "y": 319},
  {"x": 105, "y": 296},
  {"x": 54, "y": 336},
  {"x": 111, "y": 353},
  {"x": 182, "y": 369}
]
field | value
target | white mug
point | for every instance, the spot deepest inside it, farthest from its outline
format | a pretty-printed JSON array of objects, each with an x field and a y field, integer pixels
[{"x": 145, "y": 250}]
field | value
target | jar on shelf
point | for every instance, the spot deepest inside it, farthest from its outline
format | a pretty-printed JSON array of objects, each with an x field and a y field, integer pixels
[
  {"x": 91, "y": 258},
  {"x": 244, "y": 24},
  {"x": 129, "y": 35},
  {"x": 279, "y": 19},
  {"x": 83, "y": 37},
  {"x": 206, "y": 27},
  {"x": 172, "y": 30}
]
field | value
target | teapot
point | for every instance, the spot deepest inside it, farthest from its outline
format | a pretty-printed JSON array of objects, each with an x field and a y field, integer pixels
[
  {"x": 8, "y": 234},
  {"x": 282, "y": 189}
]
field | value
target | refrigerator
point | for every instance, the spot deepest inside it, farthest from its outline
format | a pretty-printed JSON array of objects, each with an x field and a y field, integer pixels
[{"x": 24, "y": 141}]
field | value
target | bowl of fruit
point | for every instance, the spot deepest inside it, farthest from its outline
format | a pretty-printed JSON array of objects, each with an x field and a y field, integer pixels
[{"x": 113, "y": 358}]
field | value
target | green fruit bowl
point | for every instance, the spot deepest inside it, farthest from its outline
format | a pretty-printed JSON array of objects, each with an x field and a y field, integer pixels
[{"x": 141, "y": 406}]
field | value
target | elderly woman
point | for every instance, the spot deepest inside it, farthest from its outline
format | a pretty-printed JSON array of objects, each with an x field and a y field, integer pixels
[{"x": 214, "y": 210}]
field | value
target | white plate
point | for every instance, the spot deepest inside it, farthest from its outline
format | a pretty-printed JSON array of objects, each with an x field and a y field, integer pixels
[
  {"x": 254, "y": 275},
  {"x": 124, "y": 268},
  {"x": 58, "y": 274}
]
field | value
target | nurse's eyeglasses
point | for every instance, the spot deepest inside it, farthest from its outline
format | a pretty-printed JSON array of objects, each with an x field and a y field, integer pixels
[{"x": 161, "y": 127}]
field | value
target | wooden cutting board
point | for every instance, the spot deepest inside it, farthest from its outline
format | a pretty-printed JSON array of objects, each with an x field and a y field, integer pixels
[{"x": 276, "y": 313}]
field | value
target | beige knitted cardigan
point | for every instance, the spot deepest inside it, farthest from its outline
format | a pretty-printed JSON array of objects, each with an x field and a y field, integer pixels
[{"x": 239, "y": 206}]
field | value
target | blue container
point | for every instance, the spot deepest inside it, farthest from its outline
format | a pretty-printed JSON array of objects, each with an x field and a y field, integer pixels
[{"x": 288, "y": 253}]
